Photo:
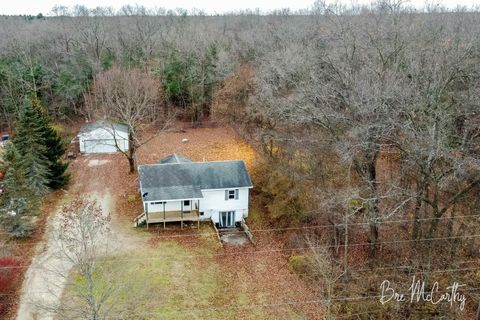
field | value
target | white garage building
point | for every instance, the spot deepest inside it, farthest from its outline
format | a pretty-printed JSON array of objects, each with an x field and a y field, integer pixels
[{"x": 103, "y": 137}]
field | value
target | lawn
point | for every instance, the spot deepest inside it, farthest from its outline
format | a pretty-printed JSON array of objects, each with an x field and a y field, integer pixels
[{"x": 177, "y": 279}]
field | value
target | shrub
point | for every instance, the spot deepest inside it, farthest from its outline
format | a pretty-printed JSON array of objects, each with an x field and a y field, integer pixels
[
  {"x": 298, "y": 264},
  {"x": 132, "y": 198},
  {"x": 18, "y": 226}
]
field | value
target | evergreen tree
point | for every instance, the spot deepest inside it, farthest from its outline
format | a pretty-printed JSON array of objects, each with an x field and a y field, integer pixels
[
  {"x": 30, "y": 143},
  {"x": 17, "y": 201},
  {"x": 54, "y": 149}
]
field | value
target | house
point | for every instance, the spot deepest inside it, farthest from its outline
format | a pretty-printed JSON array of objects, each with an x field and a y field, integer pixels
[
  {"x": 178, "y": 190},
  {"x": 103, "y": 137}
]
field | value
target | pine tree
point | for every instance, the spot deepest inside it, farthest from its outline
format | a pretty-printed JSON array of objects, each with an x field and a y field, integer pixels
[
  {"x": 17, "y": 202},
  {"x": 55, "y": 149},
  {"x": 30, "y": 143}
]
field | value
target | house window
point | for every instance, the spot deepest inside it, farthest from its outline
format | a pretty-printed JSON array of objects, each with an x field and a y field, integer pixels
[
  {"x": 231, "y": 194},
  {"x": 158, "y": 202},
  {"x": 186, "y": 203},
  {"x": 202, "y": 213}
]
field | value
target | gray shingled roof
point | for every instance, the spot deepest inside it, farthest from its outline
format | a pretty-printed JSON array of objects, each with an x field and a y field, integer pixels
[
  {"x": 172, "y": 193},
  {"x": 185, "y": 180},
  {"x": 175, "y": 158}
]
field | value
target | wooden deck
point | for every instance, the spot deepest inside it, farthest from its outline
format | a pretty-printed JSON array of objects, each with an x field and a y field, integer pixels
[
  {"x": 167, "y": 216},
  {"x": 172, "y": 216}
]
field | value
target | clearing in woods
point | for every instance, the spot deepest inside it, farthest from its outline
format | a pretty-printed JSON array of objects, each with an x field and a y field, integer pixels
[{"x": 180, "y": 274}]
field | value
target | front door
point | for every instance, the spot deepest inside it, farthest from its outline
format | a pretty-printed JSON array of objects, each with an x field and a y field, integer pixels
[
  {"x": 227, "y": 219},
  {"x": 187, "y": 205}
]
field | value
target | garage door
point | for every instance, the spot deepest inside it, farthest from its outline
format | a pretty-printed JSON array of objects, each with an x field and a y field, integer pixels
[{"x": 102, "y": 146}]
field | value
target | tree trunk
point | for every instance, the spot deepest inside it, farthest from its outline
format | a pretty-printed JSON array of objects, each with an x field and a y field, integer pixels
[
  {"x": 131, "y": 163},
  {"x": 451, "y": 234},
  {"x": 433, "y": 225},
  {"x": 421, "y": 188},
  {"x": 374, "y": 212},
  {"x": 345, "y": 248},
  {"x": 373, "y": 233},
  {"x": 131, "y": 151},
  {"x": 437, "y": 213},
  {"x": 368, "y": 171}
]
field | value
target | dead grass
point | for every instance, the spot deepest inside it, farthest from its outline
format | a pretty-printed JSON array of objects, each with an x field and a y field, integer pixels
[
  {"x": 177, "y": 276},
  {"x": 157, "y": 282},
  {"x": 264, "y": 279}
]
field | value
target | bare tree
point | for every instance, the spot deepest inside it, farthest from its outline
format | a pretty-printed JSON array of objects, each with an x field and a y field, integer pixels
[
  {"x": 83, "y": 237},
  {"x": 441, "y": 145},
  {"x": 141, "y": 34},
  {"x": 324, "y": 270},
  {"x": 132, "y": 97},
  {"x": 91, "y": 25},
  {"x": 350, "y": 94}
]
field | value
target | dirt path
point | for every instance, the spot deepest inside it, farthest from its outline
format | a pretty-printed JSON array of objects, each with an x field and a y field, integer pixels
[
  {"x": 47, "y": 275},
  {"x": 41, "y": 286}
]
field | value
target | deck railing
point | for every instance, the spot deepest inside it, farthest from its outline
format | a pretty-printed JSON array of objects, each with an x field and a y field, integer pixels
[{"x": 172, "y": 216}]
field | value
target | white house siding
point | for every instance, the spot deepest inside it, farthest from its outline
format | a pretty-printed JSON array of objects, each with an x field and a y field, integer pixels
[
  {"x": 102, "y": 146},
  {"x": 214, "y": 201},
  {"x": 172, "y": 205}
]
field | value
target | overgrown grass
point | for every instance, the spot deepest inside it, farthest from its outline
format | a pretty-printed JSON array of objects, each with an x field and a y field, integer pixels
[
  {"x": 150, "y": 282},
  {"x": 172, "y": 281}
]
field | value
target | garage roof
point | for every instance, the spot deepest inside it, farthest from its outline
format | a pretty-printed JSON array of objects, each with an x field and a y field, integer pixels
[
  {"x": 103, "y": 129},
  {"x": 185, "y": 180}
]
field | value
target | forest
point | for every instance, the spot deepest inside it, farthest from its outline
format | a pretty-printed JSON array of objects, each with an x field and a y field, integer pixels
[{"x": 367, "y": 120}]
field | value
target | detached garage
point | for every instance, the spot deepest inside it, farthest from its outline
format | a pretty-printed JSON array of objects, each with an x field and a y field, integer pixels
[{"x": 103, "y": 137}]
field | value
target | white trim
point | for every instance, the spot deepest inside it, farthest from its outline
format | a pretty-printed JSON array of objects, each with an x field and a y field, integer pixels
[
  {"x": 227, "y": 188},
  {"x": 171, "y": 200},
  {"x": 194, "y": 198}
]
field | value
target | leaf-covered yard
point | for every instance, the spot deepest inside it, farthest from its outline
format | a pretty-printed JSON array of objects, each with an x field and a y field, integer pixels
[{"x": 183, "y": 274}]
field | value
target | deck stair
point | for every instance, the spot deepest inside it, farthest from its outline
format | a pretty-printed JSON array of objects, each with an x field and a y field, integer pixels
[{"x": 140, "y": 220}]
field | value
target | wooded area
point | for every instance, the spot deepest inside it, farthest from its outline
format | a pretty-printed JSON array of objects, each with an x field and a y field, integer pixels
[{"x": 367, "y": 120}]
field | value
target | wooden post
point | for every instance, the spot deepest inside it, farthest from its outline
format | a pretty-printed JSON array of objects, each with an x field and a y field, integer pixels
[
  {"x": 216, "y": 232},
  {"x": 198, "y": 214},
  {"x": 146, "y": 214},
  {"x": 247, "y": 231}
]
